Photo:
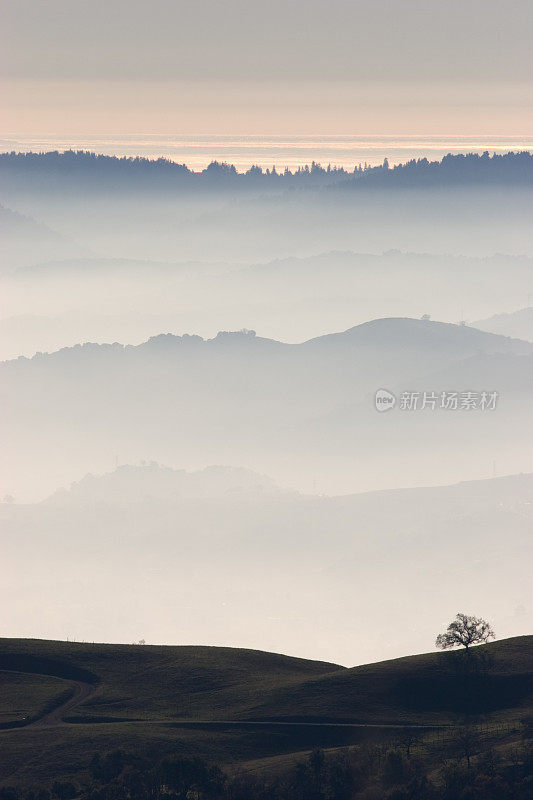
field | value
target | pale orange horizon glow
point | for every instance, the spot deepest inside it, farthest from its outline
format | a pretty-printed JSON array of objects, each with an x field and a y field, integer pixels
[{"x": 64, "y": 108}]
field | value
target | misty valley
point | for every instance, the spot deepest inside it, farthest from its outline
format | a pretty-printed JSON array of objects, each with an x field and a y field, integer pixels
[{"x": 264, "y": 412}]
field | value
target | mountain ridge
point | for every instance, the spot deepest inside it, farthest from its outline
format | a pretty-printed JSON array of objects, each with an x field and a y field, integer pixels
[{"x": 383, "y": 331}]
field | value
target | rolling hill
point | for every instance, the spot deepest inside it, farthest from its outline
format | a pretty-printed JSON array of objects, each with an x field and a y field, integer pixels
[
  {"x": 168, "y": 683},
  {"x": 161, "y": 683},
  {"x": 233, "y": 705},
  {"x": 52, "y": 305}
]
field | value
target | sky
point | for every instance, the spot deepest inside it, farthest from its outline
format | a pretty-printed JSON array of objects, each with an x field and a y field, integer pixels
[{"x": 406, "y": 67}]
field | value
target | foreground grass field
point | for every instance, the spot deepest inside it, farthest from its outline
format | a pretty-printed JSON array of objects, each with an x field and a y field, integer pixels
[
  {"x": 35, "y": 754},
  {"x": 202, "y": 701}
]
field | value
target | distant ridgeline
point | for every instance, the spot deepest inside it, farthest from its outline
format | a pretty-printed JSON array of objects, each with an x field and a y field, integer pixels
[{"x": 54, "y": 169}]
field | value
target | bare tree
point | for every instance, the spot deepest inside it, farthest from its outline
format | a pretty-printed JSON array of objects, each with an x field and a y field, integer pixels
[{"x": 463, "y": 632}]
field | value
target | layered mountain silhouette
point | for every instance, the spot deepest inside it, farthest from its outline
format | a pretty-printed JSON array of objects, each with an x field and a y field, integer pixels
[
  {"x": 54, "y": 169},
  {"x": 141, "y": 209},
  {"x": 50, "y": 305},
  {"x": 298, "y": 412}
]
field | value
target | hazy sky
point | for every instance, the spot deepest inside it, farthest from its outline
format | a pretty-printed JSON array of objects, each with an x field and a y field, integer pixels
[{"x": 228, "y": 66}]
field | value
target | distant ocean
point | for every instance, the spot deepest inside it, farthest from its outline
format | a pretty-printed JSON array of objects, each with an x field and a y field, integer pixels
[{"x": 267, "y": 151}]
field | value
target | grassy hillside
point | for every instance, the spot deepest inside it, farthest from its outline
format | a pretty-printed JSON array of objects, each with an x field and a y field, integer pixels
[
  {"x": 157, "y": 700},
  {"x": 158, "y": 683},
  {"x": 39, "y": 755},
  {"x": 162, "y": 683},
  {"x": 433, "y": 688}
]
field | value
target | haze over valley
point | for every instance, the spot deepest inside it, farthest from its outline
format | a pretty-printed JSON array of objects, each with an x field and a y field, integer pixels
[
  {"x": 310, "y": 575},
  {"x": 161, "y": 316}
]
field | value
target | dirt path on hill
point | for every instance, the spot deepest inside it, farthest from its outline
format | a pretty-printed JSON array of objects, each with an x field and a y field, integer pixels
[{"x": 81, "y": 690}]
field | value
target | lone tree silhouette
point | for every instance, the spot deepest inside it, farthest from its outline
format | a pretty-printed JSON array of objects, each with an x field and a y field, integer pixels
[{"x": 464, "y": 631}]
